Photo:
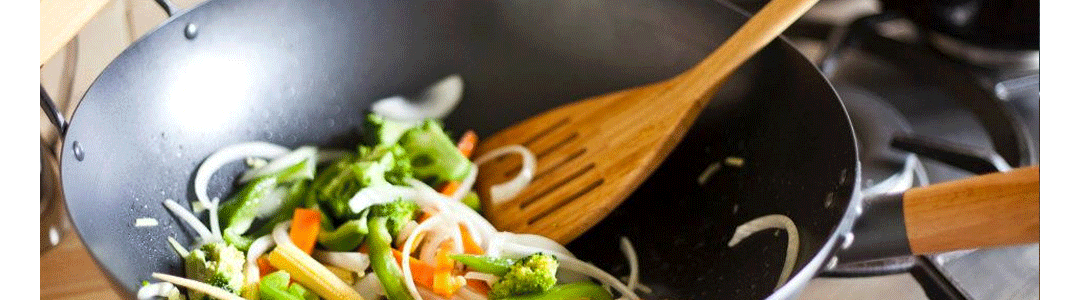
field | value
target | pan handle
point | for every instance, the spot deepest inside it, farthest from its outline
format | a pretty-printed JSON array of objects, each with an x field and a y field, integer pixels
[
  {"x": 52, "y": 113},
  {"x": 984, "y": 211}
]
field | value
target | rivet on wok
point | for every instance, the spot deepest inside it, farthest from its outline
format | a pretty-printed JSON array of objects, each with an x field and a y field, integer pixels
[
  {"x": 190, "y": 31},
  {"x": 848, "y": 239},
  {"x": 77, "y": 150}
]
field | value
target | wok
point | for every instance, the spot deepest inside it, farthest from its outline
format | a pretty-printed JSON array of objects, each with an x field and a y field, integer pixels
[{"x": 302, "y": 72}]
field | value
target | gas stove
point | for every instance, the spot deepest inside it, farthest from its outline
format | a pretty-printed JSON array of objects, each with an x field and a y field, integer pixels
[{"x": 928, "y": 107}]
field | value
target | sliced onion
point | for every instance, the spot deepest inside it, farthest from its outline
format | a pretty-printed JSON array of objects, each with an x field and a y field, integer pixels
[
  {"x": 352, "y": 261},
  {"x": 406, "y": 270},
  {"x": 506, "y": 190},
  {"x": 631, "y": 260},
  {"x": 155, "y": 290},
  {"x": 379, "y": 194},
  {"x": 213, "y": 291},
  {"x": 204, "y": 233},
  {"x": 300, "y": 155},
  {"x": 215, "y": 226},
  {"x": 427, "y": 294},
  {"x": 436, "y": 101},
  {"x": 479, "y": 228},
  {"x": 781, "y": 222},
  {"x": 436, "y": 238},
  {"x": 146, "y": 222},
  {"x": 466, "y": 184},
  {"x": 485, "y": 277},
  {"x": 537, "y": 241},
  {"x": 177, "y": 247},
  {"x": 229, "y": 154},
  {"x": 369, "y": 287},
  {"x": 468, "y": 293},
  {"x": 281, "y": 236},
  {"x": 258, "y": 247}
]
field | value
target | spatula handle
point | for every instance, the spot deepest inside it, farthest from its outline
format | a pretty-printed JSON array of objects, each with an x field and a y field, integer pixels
[
  {"x": 702, "y": 80},
  {"x": 983, "y": 211}
]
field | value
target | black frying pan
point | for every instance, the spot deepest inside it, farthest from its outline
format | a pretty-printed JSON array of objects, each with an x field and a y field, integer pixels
[{"x": 301, "y": 72}]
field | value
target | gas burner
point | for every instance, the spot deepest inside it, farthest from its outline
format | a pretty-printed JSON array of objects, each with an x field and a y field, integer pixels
[
  {"x": 876, "y": 124},
  {"x": 996, "y": 59},
  {"x": 929, "y": 108}
]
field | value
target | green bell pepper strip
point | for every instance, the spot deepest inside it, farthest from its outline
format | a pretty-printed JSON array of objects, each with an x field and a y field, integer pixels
[
  {"x": 383, "y": 262},
  {"x": 238, "y": 213},
  {"x": 571, "y": 291},
  {"x": 346, "y": 237},
  {"x": 294, "y": 198},
  {"x": 485, "y": 264}
]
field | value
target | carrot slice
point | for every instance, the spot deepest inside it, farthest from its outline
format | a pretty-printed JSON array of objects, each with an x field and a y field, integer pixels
[
  {"x": 305, "y": 228},
  {"x": 478, "y": 285},
  {"x": 443, "y": 262},
  {"x": 422, "y": 273},
  {"x": 449, "y": 187},
  {"x": 444, "y": 282},
  {"x": 264, "y": 266},
  {"x": 470, "y": 245},
  {"x": 468, "y": 143}
]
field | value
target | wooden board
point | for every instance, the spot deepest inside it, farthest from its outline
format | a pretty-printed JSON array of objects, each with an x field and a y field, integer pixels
[
  {"x": 61, "y": 20},
  {"x": 68, "y": 272}
]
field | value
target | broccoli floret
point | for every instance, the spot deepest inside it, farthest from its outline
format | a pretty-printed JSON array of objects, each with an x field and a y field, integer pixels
[
  {"x": 397, "y": 214},
  {"x": 529, "y": 275},
  {"x": 393, "y": 161},
  {"x": 434, "y": 157},
  {"x": 335, "y": 186},
  {"x": 380, "y": 131},
  {"x": 217, "y": 264},
  {"x": 400, "y": 168}
]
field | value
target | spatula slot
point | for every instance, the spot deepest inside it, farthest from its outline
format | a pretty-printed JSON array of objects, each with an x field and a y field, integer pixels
[
  {"x": 556, "y": 186},
  {"x": 568, "y": 199},
  {"x": 545, "y": 132},
  {"x": 568, "y": 159}
]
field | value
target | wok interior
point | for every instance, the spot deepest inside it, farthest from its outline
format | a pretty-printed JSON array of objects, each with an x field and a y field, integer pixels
[{"x": 301, "y": 73}]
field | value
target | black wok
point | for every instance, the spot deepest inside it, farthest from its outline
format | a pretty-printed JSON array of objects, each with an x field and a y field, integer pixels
[{"x": 302, "y": 72}]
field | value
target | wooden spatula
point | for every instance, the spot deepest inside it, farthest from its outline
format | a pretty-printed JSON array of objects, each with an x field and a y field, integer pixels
[{"x": 591, "y": 154}]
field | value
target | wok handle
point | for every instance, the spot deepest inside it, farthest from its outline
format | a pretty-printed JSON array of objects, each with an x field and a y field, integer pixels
[
  {"x": 167, "y": 6},
  {"x": 983, "y": 211},
  {"x": 54, "y": 115}
]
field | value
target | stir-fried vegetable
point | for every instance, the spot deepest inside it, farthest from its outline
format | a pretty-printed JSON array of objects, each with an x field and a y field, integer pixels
[
  {"x": 384, "y": 223},
  {"x": 369, "y": 222},
  {"x": 305, "y": 229},
  {"x": 435, "y": 159},
  {"x": 307, "y": 270},
  {"x": 529, "y": 275},
  {"x": 485, "y": 264},
  {"x": 346, "y": 237},
  {"x": 572, "y": 291},
  {"x": 275, "y": 286}
]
